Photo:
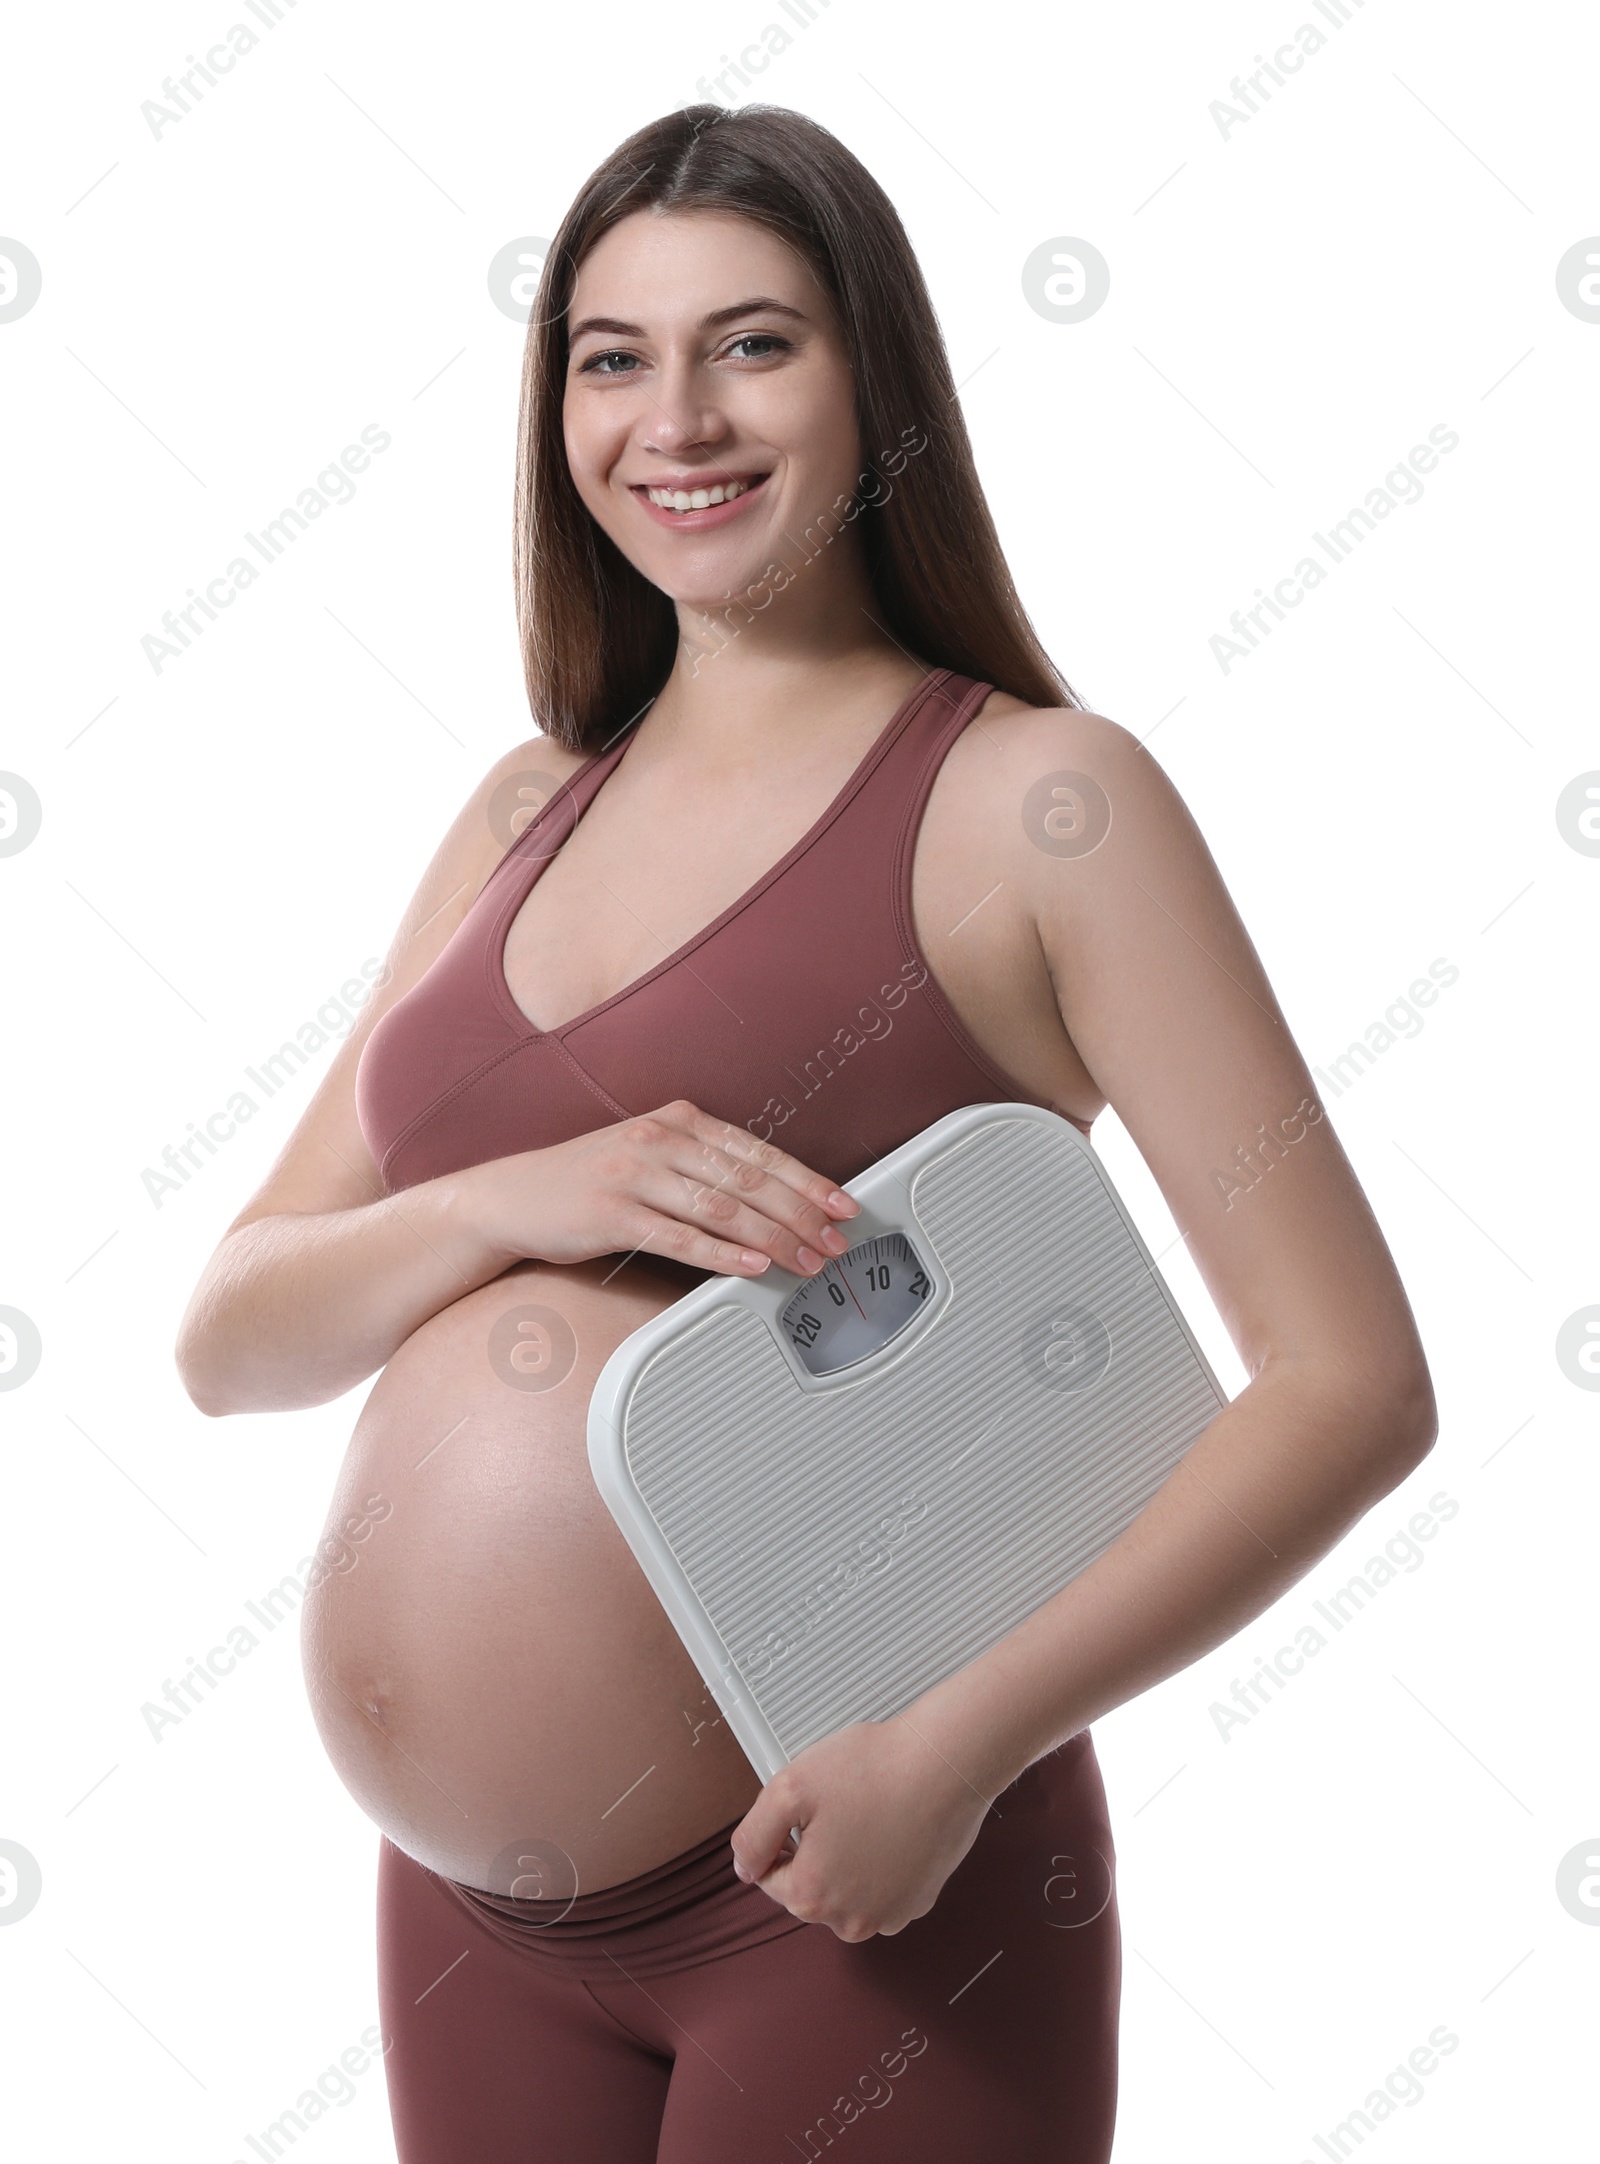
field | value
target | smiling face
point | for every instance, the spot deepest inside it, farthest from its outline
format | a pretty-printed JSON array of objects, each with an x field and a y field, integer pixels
[{"x": 709, "y": 409}]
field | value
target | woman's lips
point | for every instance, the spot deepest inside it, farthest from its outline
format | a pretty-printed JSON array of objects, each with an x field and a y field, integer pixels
[{"x": 714, "y": 514}]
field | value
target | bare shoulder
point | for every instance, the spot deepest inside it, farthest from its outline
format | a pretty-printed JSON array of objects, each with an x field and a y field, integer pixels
[
  {"x": 495, "y": 813},
  {"x": 500, "y": 805},
  {"x": 493, "y": 817},
  {"x": 1052, "y": 784},
  {"x": 514, "y": 791},
  {"x": 1026, "y": 735}
]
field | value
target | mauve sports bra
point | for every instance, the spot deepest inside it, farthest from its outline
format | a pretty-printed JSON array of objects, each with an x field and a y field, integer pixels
[{"x": 805, "y": 1013}]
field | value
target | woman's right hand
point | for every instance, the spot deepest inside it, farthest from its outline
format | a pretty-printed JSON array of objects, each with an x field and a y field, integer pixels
[{"x": 675, "y": 1182}]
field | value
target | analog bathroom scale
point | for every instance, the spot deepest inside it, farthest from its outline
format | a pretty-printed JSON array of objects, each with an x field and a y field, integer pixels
[{"x": 843, "y": 1488}]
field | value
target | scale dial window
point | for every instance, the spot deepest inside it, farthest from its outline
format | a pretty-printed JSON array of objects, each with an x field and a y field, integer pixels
[{"x": 861, "y": 1302}]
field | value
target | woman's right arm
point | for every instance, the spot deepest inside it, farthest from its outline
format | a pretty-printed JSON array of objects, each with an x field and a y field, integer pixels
[{"x": 322, "y": 1276}]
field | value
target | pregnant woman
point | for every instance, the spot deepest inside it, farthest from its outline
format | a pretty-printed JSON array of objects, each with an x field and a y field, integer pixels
[{"x": 813, "y": 846}]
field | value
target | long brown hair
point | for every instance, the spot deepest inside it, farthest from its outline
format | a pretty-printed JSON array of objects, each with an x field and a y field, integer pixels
[{"x": 598, "y": 639}]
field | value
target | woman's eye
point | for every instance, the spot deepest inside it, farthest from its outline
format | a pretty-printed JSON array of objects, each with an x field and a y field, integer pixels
[{"x": 598, "y": 364}]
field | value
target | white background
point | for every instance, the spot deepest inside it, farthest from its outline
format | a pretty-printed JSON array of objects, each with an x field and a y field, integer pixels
[{"x": 1292, "y": 307}]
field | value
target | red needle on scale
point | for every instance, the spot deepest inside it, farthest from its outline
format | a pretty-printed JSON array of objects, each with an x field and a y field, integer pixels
[{"x": 851, "y": 1290}]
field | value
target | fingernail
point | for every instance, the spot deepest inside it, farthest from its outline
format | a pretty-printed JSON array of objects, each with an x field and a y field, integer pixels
[
  {"x": 839, "y": 1200},
  {"x": 739, "y": 1871}
]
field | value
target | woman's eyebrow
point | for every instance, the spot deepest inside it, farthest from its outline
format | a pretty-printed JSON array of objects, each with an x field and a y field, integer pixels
[{"x": 762, "y": 304}]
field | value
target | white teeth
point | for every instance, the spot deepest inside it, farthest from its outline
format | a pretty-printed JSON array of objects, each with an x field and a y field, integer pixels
[{"x": 700, "y": 499}]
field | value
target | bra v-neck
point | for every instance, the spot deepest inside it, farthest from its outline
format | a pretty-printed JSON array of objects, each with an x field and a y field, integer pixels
[{"x": 537, "y": 862}]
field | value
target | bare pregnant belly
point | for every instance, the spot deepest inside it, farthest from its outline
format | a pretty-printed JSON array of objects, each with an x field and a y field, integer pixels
[{"x": 488, "y": 1667}]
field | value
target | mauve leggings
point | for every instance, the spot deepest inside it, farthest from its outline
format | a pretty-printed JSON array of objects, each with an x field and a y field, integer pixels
[{"x": 684, "y": 2018}]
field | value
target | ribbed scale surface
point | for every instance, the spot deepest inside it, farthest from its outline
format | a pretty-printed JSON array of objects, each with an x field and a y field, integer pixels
[{"x": 765, "y": 1492}]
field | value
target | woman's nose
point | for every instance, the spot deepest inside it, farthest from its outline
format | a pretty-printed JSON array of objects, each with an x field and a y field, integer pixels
[{"x": 684, "y": 412}]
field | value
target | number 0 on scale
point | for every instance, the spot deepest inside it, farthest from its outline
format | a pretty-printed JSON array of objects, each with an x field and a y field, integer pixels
[{"x": 857, "y": 1305}]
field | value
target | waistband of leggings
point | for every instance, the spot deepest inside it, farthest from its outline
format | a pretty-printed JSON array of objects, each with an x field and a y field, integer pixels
[
  {"x": 691, "y": 1908},
  {"x": 659, "y": 1891}
]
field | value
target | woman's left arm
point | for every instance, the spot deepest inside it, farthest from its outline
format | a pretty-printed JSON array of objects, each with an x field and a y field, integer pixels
[{"x": 1165, "y": 999}]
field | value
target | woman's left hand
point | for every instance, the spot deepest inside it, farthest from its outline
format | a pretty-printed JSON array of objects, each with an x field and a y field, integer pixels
[{"x": 884, "y": 1819}]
